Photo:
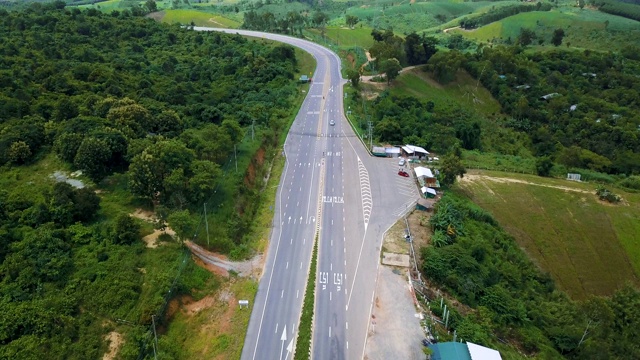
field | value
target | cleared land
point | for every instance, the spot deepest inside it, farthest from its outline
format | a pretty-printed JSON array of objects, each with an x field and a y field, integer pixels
[
  {"x": 463, "y": 90},
  {"x": 199, "y": 18},
  {"x": 588, "y": 246}
]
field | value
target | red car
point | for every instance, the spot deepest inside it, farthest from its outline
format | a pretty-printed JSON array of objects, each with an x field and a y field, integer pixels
[{"x": 403, "y": 173}]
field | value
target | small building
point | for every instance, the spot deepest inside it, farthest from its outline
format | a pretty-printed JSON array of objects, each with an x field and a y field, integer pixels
[
  {"x": 392, "y": 152},
  {"x": 414, "y": 152},
  {"x": 573, "y": 107},
  {"x": 462, "y": 351},
  {"x": 379, "y": 151},
  {"x": 428, "y": 192},
  {"x": 549, "y": 96},
  {"x": 424, "y": 205},
  {"x": 525, "y": 87},
  {"x": 425, "y": 177}
]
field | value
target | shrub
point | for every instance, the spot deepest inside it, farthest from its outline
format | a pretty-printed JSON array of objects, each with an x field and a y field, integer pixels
[
  {"x": 606, "y": 195},
  {"x": 631, "y": 182}
]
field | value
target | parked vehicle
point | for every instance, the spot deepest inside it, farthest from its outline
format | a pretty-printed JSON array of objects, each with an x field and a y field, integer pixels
[{"x": 402, "y": 162}]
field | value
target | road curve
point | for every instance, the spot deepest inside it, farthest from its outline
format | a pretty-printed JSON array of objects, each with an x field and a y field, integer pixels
[{"x": 332, "y": 188}]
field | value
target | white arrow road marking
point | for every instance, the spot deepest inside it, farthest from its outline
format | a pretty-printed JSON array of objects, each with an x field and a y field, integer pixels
[
  {"x": 283, "y": 338},
  {"x": 289, "y": 349}
]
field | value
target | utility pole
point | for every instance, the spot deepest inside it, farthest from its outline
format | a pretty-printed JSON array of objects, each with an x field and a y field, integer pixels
[
  {"x": 252, "y": 133},
  {"x": 235, "y": 155},
  {"x": 206, "y": 222},
  {"x": 370, "y": 136},
  {"x": 155, "y": 336}
]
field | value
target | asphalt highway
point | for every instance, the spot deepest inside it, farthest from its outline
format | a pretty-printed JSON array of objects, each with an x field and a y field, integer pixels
[{"x": 333, "y": 188}]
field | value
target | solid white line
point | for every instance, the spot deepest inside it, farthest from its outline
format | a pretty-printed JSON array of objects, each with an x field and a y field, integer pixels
[
  {"x": 275, "y": 257},
  {"x": 357, "y": 266}
]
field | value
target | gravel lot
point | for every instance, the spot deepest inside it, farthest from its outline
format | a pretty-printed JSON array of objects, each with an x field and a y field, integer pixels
[{"x": 395, "y": 331}]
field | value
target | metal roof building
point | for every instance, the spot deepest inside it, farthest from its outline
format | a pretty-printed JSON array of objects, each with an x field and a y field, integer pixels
[
  {"x": 460, "y": 351},
  {"x": 423, "y": 172},
  {"x": 417, "y": 151}
]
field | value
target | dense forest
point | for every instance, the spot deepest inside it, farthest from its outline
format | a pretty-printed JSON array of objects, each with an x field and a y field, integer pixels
[
  {"x": 508, "y": 300},
  {"x": 578, "y": 108},
  {"x": 151, "y": 112}
]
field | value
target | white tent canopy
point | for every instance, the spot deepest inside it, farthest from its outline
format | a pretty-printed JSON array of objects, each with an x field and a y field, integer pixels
[
  {"x": 429, "y": 190},
  {"x": 411, "y": 149},
  {"x": 423, "y": 171},
  {"x": 478, "y": 352}
]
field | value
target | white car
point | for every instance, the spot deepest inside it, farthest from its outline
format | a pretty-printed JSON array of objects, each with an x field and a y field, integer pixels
[
  {"x": 332, "y": 122},
  {"x": 402, "y": 161}
]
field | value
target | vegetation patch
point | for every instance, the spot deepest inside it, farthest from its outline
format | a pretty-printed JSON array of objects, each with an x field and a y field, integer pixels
[
  {"x": 198, "y": 18},
  {"x": 305, "y": 330},
  {"x": 505, "y": 299},
  {"x": 567, "y": 231}
]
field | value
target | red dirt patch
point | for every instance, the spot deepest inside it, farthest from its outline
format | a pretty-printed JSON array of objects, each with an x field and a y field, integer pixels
[{"x": 210, "y": 267}]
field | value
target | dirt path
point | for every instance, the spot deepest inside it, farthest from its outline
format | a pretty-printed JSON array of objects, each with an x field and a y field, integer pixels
[
  {"x": 249, "y": 267},
  {"x": 369, "y": 77},
  {"x": 115, "y": 341},
  {"x": 451, "y": 28},
  {"x": 478, "y": 177}
]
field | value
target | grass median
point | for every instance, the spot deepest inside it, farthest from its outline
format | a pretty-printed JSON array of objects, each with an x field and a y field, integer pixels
[{"x": 303, "y": 347}]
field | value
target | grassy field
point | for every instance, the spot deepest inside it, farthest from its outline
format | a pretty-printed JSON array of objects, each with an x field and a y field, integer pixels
[
  {"x": 199, "y": 18},
  {"x": 588, "y": 246},
  {"x": 419, "y": 84},
  {"x": 345, "y": 37},
  {"x": 405, "y": 17},
  {"x": 583, "y": 28}
]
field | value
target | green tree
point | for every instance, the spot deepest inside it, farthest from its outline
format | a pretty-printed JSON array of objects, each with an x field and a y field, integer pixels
[
  {"x": 92, "y": 158},
  {"x": 558, "y": 35},
  {"x": 544, "y": 165},
  {"x": 391, "y": 69},
  {"x": 183, "y": 224},
  {"x": 451, "y": 167},
  {"x": 354, "y": 76},
  {"x": 19, "y": 152},
  {"x": 126, "y": 230},
  {"x": 148, "y": 171},
  {"x": 151, "y": 6},
  {"x": 526, "y": 36},
  {"x": 351, "y": 20},
  {"x": 204, "y": 179}
]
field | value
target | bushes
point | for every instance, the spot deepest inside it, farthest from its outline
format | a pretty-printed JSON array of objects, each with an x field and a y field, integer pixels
[
  {"x": 501, "y": 13},
  {"x": 631, "y": 182},
  {"x": 606, "y": 195},
  {"x": 629, "y": 11},
  {"x": 303, "y": 343}
]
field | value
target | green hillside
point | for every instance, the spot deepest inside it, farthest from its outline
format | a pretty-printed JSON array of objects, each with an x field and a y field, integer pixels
[
  {"x": 586, "y": 28},
  {"x": 587, "y": 245}
]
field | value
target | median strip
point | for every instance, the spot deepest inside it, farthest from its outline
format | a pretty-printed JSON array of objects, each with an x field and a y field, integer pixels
[{"x": 303, "y": 347}]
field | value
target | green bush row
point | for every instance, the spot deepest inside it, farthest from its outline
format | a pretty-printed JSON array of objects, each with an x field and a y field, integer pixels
[{"x": 303, "y": 346}]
